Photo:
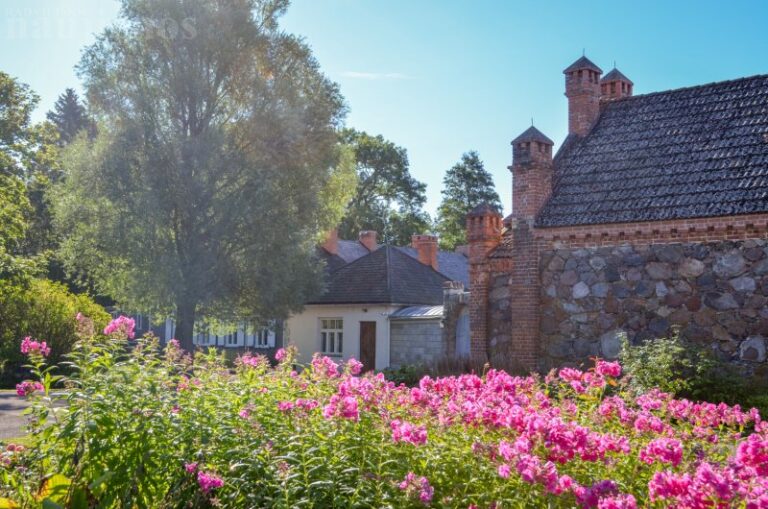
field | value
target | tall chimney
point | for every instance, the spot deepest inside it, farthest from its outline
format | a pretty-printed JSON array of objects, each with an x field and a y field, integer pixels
[
  {"x": 582, "y": 88},
  {"x": 368, "y": 239},
  {"x": 426, "y": 249},
  {"x": 331, "y": 244},
  {"x": 531, "y": 173}
]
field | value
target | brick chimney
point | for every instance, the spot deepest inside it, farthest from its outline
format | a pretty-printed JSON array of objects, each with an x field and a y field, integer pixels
[
  {"x": 368, "y": 239},
  {"x": 615, "y": 85},
  {"x": 426, "y": 248},
  {"x": 531, "y": 173},
  {"x": 582, "y": 88},
  {"x": 483, "y": 234},
  {"x": 331, "y": 244}
]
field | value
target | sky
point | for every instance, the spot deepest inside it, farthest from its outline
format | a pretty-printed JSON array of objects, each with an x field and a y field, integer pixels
[{"x": 442, "y": 77}]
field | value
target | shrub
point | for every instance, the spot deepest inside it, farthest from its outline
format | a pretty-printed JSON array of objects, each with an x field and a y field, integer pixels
[
  {"x": 689, "y": 370},
  {"x": 43, "y": 309},
  {"x": 144, "y": 428}
]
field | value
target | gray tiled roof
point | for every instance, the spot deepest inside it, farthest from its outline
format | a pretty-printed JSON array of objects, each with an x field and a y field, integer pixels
[
  {"x": 615, "y": 75},
  {"x": 582, "y": 63},
  {"x": 384, "y": 276},
  {"x": 452, "y": 265},
  {"x": 692, "y": 152}
]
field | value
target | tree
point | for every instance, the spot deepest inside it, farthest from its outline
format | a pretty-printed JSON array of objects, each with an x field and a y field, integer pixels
[
  {"x": 70, "y": 117},
  {"x": 387, "y": 198},
  {"x": 23, "y": 157},
  {"x": 465, "y": 186},
  {"x": 215, "y": 165}
]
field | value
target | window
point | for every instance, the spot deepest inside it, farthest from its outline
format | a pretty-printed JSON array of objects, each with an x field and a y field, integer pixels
[
  {"x": 231, "y": 339},
  {"x": 262, "y": 338},
  {"x": 331, "y": 336}
]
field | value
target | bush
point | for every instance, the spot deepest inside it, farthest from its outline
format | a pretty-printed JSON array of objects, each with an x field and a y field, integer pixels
[
  {"x": 42, "y": 309},
  {"x": 144, "y": 428},
  {"x": 691, "y": 371}
]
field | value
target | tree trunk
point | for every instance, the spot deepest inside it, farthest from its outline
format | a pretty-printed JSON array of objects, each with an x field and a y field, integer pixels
[{"x": 185, "y": 324}]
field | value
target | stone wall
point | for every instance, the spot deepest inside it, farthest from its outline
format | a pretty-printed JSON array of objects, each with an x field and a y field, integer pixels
[
  {"x": 714, "y": 293},
  {"x": 416, "y": 341},
  {"x": 499, "y": 320}
]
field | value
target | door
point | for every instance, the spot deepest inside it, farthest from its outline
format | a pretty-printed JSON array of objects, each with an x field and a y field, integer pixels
[{"x": 368, "y": 345}]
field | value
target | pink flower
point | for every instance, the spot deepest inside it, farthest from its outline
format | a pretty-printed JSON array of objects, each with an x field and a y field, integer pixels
[
  {"x": 570, "y": 375},
  {"x": 257, "y": 361},
  {"x": 324, "y": 367},
  {"x": 345, "y": 407},
  {"x": 413, "y": 485},
  {"x": 30, "y": 346},
  {"x": 285, "y": 406},
  {"x": 208, "y": 481},
  {"x": 26, "y": 388},
  {"x": 280, "y": 354},
  {"x": 354, "y": 366},
  {"x": 612, "y": 369},
  {"x": 753, "y": 452},
  {"x": 407, "y": 432},
  {"x": 121, "y": 327},
  {"x": 664, "y": 485},
  {"x": 618, "y": 502},
  {"x": 504, "y": 470},
  {"x": 174, "y": 343},
  {"x": 666, "y": 450},
  {"x": 190, "y": 467}
]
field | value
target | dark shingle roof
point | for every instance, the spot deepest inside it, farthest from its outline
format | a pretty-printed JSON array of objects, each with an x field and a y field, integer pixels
[
  {"x": 533, "y": 134},
  {"x": 385, "y": 276},
  {"x": 691, "y": 152},
  {"x": 452, "y": 265},
  {"x": 582, "y": 63},
  {"x": 615, "y": 75}
]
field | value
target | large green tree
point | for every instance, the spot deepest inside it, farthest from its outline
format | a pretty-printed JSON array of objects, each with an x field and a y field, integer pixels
[
  {"x": 466, "y": 185},
  {"x": 70, "y": 117},
  {"x": 387, "y": 198},
  {"x": 215, "y": 164},
  {"x": 27, "y": 158}
]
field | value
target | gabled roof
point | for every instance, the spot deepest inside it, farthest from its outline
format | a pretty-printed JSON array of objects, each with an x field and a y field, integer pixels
[
  {"x": 384, "y": 276},
  {"x": 686, "y": 153},
  {"x": 532, "y": 134}
]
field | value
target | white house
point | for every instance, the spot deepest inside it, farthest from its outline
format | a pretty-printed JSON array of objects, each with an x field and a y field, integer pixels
[{"x": 372, "y": 290}]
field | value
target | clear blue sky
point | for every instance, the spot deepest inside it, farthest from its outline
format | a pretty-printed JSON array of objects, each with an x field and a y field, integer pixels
[{"x": 441, "y": 77}]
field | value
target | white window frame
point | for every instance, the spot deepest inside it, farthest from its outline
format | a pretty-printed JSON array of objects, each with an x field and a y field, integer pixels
[{"x": 331, "y": 336}]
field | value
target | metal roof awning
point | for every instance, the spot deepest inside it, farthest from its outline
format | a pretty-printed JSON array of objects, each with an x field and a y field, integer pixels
[{"x": 418, "y": 313}]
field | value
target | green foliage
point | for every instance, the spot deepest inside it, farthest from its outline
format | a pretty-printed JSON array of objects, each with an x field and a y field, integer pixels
[
  {"x": 689, "y": 370},
  {"x": 215, "y": 165},
  {"x": 466, "y": 185},
  {"x": 42, "y": 309},
  {"x": 387, "y": 198},
  {"x": 70, "y": 117}
]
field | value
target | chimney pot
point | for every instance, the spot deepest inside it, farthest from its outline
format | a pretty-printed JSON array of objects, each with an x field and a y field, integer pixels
[
  {"x": 331, "y": 244},
  {"x": 368, "y": 239},
  {"x": 426, "y": 249}
]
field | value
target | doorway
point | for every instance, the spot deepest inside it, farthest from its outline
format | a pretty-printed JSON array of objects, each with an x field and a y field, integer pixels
[{"x": 368, "y": 345}]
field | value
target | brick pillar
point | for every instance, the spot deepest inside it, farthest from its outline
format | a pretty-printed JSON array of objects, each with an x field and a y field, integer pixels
[
  {"x": 525, "y": 299},
  {"x": 483, "y": 234}
]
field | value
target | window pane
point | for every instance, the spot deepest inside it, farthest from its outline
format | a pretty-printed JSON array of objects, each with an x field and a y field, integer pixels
[
  {"x": 339, "y": 324},
  {"x": 322, "y": 341},
  {"x": 331, "y": 337},
  {"x": 325, "y": 324},
  {"x": 341, "y": 338}
]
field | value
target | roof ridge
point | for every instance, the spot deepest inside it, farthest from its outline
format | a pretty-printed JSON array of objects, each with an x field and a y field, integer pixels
[{"x": 692, "y": 87}]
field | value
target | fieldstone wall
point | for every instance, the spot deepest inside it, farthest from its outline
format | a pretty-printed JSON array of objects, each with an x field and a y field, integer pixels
[
  {"x": 499, "y": 319},
  {"x": 714, "y": 293},
  {"x": 415, "y": 342}
]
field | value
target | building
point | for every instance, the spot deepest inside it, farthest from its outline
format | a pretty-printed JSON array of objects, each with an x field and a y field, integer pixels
[
  {"x": 383, "y": 304},
  {"x": 652, "y": 216}
]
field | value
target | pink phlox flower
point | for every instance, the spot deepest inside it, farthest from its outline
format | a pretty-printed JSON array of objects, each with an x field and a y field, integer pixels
[
  {"x": 324, "y": 366},
  {"x": 208, "y": 481},
  {"x": 280, "y": 354},
  {"x": 625, "y": 501},
  {"x": 190, "y": 467},
  {"x": 612, "y": 369},
  {"x": 666, "y": 450},
  {"x": 31, "y": 346},
  {"x": 354, "y": 366},
  {"x": 122, "y": 327},
  {"x": 27, "y": 387},
  {"x": 407, "y": 432}
]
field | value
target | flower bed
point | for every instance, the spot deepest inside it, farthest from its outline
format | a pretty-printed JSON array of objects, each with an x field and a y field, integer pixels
[{"x": 158, "y": 429}]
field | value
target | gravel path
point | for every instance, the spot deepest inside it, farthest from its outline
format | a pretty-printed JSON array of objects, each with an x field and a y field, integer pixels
[{"x": 11, "y": 421}]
